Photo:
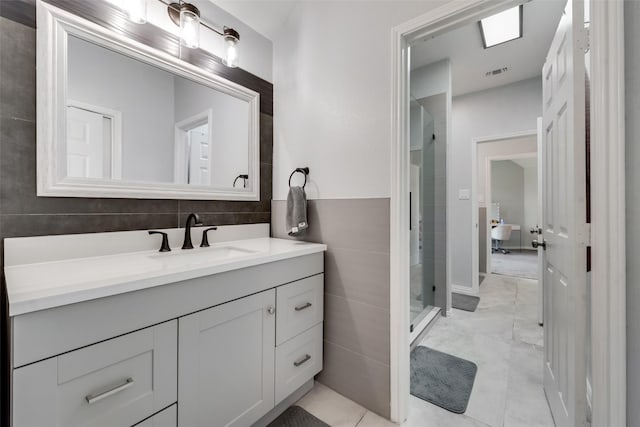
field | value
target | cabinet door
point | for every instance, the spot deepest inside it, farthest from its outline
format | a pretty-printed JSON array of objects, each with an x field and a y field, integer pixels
[{"x": 226, "y": 363}]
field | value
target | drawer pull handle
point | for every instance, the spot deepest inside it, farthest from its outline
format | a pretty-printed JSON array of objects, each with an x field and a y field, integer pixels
[
  {"x": 302, "y": 361},
  {"x": 117, "y": 389},
  {"x": 303, "y": 306}
]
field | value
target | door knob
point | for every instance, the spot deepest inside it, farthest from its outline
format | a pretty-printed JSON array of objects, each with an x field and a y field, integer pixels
[
  {"x": 537, "y": 244},
  {"x": 271, "y": 309}
]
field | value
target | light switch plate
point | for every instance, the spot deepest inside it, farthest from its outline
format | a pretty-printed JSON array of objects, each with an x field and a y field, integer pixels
[{"x": 464, "y": 194}]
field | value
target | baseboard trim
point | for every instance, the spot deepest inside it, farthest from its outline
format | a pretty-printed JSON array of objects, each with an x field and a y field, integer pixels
[
  {"x": 519, "y": 248},
  {"x": 465, "y": 290}
]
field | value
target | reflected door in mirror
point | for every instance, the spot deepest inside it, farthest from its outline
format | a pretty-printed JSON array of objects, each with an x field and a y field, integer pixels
[{"x": 88, "y": 141}]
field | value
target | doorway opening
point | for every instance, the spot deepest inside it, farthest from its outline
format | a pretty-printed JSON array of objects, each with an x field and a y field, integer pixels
[
  {"x": 512, "y": 213},
  {"x": 606, "y": 61},
  {"x": 497, "y": 103},
  {"x": 505, "y": 205}
]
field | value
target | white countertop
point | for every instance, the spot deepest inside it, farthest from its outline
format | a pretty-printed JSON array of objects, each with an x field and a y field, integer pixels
[{"x": 42, "y": 285}]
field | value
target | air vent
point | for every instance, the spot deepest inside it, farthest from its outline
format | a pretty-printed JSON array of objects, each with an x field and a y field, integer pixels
[{"x": 496, "y": 72}]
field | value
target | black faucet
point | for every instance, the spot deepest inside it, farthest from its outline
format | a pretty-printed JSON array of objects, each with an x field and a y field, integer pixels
[{"x": 187, "y": 232}]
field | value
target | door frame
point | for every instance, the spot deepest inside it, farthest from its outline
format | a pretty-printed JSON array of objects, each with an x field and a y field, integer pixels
[
  {"x": 181, "y": 145},
  {"x": 608, "y": 236},
  {"x": 116, "y": 132},
  {"x": 475, "y": 231}
]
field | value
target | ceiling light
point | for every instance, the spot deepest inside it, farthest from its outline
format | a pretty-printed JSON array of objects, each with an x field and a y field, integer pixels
[
  {"x": 502, "y": 27},
  {"x": 136, "y": 10}
]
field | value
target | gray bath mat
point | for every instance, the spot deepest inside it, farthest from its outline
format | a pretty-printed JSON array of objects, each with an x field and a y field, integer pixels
[
  {"x": 295, "y": 416},
  {"x": 442, "y": 379},
  {"x": 464, "y": 302}
]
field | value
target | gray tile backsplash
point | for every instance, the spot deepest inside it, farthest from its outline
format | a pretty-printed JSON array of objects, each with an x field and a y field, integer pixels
[
  {"x": 24, "y": 214},
  {"x": 357, "y": 318},
  {"x": 358, "y": 275}
]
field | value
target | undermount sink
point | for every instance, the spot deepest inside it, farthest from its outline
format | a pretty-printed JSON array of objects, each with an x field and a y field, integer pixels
[{"x": 201, "y": 255}]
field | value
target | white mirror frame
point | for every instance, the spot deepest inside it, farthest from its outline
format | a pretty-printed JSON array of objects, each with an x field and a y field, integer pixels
[{"x": 53, "y": 28}]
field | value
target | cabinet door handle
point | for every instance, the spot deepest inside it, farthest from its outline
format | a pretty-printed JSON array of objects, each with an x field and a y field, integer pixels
[
  {"x": 302, "y": 361},
  {"x": 271, "y": 310},
  {"x": 303, "y": 306},
  {"x": 93, "y": 398}
]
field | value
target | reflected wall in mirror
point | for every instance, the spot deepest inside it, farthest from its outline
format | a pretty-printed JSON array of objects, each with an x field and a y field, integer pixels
[{"x": 133, "y": 122}]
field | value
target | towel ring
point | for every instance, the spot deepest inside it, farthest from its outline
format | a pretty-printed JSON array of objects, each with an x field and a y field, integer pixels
[
  {"x": 244, "y": 179},
  {"x": 304, "y": 171}
]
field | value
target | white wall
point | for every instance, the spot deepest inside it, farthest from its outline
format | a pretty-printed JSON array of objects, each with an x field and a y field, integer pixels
[
  {"x": 333, "y": 96},
  {"x": 503, "y": 148},
  {"x": 503, "y": 110},
  {"x": 102, "y": 77},
  {"x": 431, "y": 79}
]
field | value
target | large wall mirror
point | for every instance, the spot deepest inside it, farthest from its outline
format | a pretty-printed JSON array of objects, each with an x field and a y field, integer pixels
[{"x": 120, "y": 119}]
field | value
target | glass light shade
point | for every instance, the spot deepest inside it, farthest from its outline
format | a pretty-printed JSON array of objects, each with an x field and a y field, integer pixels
[
  {"x": 233, "y": 55},
  {"x": 189, "y": 29},
  {"x": 136, "y": 10}
]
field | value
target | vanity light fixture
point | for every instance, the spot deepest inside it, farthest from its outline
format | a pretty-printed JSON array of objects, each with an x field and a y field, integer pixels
[
  {"x": 187, "y": 17},
  {"x": 136, "y": 10}
]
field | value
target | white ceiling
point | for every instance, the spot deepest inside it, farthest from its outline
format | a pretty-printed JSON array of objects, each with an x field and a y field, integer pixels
[
  {"x": 264, "y": 16},
  {"x": 528, "y": 163},
  {"x": 470, "y": 61}
]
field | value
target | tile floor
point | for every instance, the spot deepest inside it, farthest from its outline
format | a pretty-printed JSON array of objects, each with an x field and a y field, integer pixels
[
  {"x": 502, "y": 337},
  {"x": 516, "y": 263}
]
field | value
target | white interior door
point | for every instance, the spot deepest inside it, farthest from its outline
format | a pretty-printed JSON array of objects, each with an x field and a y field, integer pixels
[
  {"x": 564, "y": 224},
  {"x": 88, "y": 144},
  {"x": 199, "y": 156},
  {"x": 540, "y": 213}
]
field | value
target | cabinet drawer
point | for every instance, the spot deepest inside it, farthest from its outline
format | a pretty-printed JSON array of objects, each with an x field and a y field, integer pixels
[
  {"x": 297, "y": 361},
  {"x": 299, "y": 307},
  {"x": 166, "y": 418},
  {"x": 113, "y": 383}
]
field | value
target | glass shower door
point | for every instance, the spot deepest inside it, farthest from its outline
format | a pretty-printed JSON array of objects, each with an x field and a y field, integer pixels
[{"x": 422, "y": 213}]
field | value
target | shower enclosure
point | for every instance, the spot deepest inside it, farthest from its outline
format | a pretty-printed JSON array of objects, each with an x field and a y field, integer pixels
[{"x": 427, "y": 207}]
